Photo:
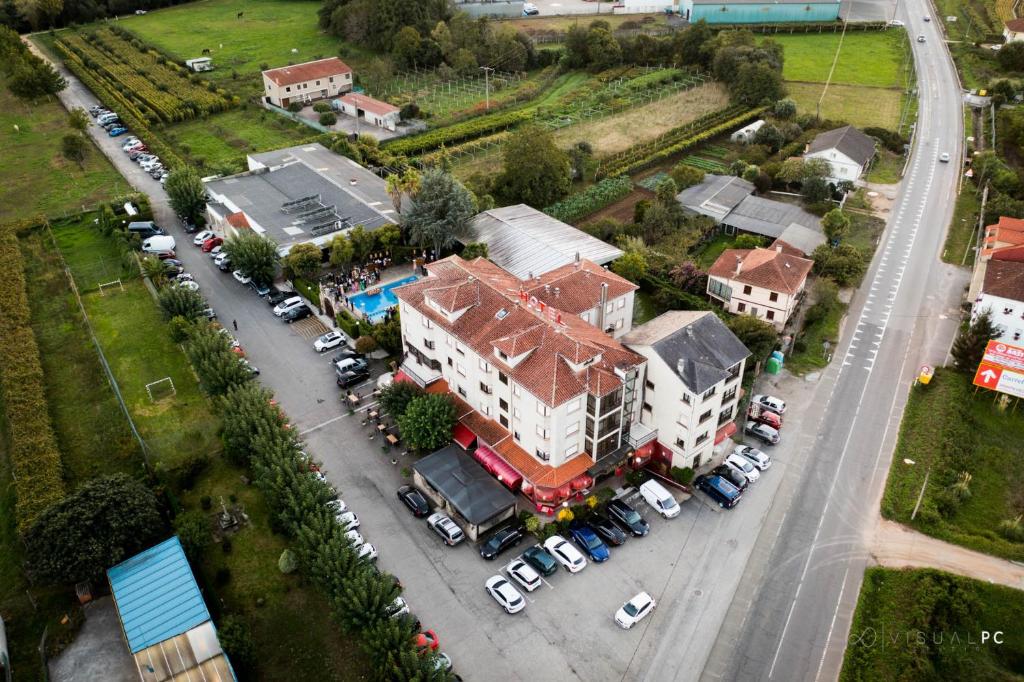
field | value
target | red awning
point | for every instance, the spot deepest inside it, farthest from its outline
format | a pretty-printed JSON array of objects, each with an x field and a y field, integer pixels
[
  {"x": 402, "y": 376},
  {"x": 725, "y": 432},
  {"x": 463, "y": 436},
  {"x": 498, "y": 467}
]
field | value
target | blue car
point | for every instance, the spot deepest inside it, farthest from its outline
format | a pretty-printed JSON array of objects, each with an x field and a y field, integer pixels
[
  {"x": 114, "y": 132},
  {"x": 588, "y": 541}
]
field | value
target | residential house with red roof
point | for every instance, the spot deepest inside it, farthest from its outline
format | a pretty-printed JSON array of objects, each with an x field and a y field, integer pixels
[
  {"x": 766, "y": 283},
  {"x": 306, "y": 82},
  {"x": 1002, "y": 294}
]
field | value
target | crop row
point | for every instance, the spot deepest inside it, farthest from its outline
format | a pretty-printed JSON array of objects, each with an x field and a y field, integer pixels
[
  {"x": 468, "y": 147},
  {"x": 34, "y": 455},
  {"x": 705, "y": 164},
  {"x": 591, "y": 200},
  {"x": 475, "y": 127}
]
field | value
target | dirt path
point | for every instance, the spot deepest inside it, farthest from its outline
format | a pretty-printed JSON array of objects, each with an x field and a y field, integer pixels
[{"x": 893, "y": 545}]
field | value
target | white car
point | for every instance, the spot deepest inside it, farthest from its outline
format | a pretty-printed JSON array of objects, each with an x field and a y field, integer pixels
[
  {"x": 187, "y": 284},
  {"x": 216, "y": 251},
  {"x": 565, "y": 554},
  {"x": 397, "y": 608},
  {"x": 355, "y": 538},
  {"x": 503, "y": 592},
  {"x": 368, "y": 552},
  {"x": 287, "y": 304},
  {"x": 337, "y": 506},
  {"x": 770, "y": 402},
  {"x": 150, "y": 164},
  {"x": 944, "y": 157},
  {"x": 446, "y": 528},
  {"x": 523, "y": 573},
  {"x": 221, "y": 257},
  {"x": 158, "y": 244},
  {"x": 328, "y": 341},
  {"x": 743, "y": 465},
  {"x": 202, "y": 237},
  {"x": 655, "y": 495},
  {"x": 347, "y": 519},
  {"x": 240, "y": 276},
  {"x": 897, "y": 23},
  {"x": 635, "y": 610},
  {"x": 130, "y": 142},
  {"x": 754, "y": 456}
]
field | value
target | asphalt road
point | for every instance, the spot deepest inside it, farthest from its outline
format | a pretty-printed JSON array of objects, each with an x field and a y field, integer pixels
[{"x": 790, "y": 619}]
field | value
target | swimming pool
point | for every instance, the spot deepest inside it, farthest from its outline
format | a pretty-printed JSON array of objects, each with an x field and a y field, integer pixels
[{"x": 375, "y": 306}]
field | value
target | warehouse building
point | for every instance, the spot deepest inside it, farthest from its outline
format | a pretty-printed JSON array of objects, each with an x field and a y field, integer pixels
[{"x": 752, "y": 11}]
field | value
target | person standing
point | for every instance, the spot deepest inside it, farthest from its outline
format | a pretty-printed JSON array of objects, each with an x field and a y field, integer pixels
[{"x": 235, "y": 324}]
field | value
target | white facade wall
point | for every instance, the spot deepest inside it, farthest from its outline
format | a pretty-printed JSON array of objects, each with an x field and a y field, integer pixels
[
  {"x": 306, "y": 91},
  {"x": 387, "y": 121},
  {"x": 1007, "y": 313},
  {"x": 843, "y": 167},
  {"x": 747, "y": 299},
  {"x": 1012, "y": 36},
  {"x": 618, "y": 315}
]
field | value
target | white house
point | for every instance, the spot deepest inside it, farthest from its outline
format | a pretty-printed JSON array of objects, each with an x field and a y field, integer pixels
[
  {"x": 373, "y": 111},
  {"x": 746, "y": 133},
  {"x": 1014, "y": 30},
  {"x": 199, "y": 64},
  {"x": 694, "y": 370},
  {"x": 847, "y": 150},
  {"x": 1002, "y": 294},
  {"x": 766, "y": 283},
  {"x": 306, "y": 82}
]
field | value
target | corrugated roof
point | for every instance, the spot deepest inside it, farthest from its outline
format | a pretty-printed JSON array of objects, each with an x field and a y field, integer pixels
[
  {"x": 770, "y": 218},
  {"x": 525, "y": 241},
  {"x": 156, "y": 595},
  {"x": 716, "y": 195}
]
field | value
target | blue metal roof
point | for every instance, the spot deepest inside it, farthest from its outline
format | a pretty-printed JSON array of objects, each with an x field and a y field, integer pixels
[{"x": 156, "y": 595}]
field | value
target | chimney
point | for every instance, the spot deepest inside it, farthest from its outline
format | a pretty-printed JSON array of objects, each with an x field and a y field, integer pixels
[
  {"x": 601, "y": 305},
  {"x": 778, "y": 248},
  {"x": 547, "y": 288},
  {"x": 557, "y": 290},
  {"x": 739, "y": 265}
]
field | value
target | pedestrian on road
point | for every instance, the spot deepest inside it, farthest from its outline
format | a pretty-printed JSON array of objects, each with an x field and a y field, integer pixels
[{"x": 235, "y": 323}]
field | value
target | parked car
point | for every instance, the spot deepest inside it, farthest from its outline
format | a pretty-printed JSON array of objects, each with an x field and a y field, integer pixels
[
  {"x": 589, "y": 542},
  {"x": 212, "y": 243},
  {"x": 149, "y": 164},
  {"x": 216, "y": 251},
  {"x": 397, "y": 608},
  {"x": 355, "y": 538},
  {"x": 143, "y": 158},
  {"x": 260, "y": 288},
  {"x": 352, "y": 364},
  {"x": 348, "y": 378},
  {"x": 157, "y": 172},
  {"x": 276, "y": 297},
  {"x": 286, "y": 305},
  {"x": 763, "y": 433},
  {"x": 565, "y": 554},
  {"x": 222, "y": 261},
  {"x": 743, "y": 465},
  {"x": 145, "y": 229},
  {"x": 754, "y": 456},
  {"x": 635, "y": 610},
  {"x": 443, "y": 662},
  {"x": 655, "y": 495},
  {"x": 523, "y": 573},
  {"x": 241, "y": 277},
  {"x": 446, "y": 528},
  {"x": 776, "y": 405},
  {"x": 608, "y": 531},
  {"x": 117, "y": 130},
  {"x": 539, "y": 558},
  {"x": 136, "y": 153},
  {"x": 368, "y": 552},
  {"x": 505, "y": 593},
  {"x": 335, "y": 506},
  {"x": 201, "y": 238},
  {"x": 328, "y": 341},
  {"x": 426, "y": 641},
  {"x": 158, "y": 244},
  {"x": 414, "y": 500},
  {"x": 627, "y": 518},
  {"x": 347, "y": 354},
  {"x": 296, "y": 314},
  {"x": 725, "y": 494},
  {"x": 763, "y": 415},
  {"x": 347, "y": 519},
  {"x": 500, "y": 541},
  {"x": 731, "y": 474}
]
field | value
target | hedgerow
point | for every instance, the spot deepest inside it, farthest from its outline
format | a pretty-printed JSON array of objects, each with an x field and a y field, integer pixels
[
  {"x": 477, "y": 127},
  {"x": 34, "y": 455},
  {"x": 590, "y": 200}
]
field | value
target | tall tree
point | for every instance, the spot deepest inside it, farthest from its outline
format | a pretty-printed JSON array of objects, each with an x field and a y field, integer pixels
[
  {"x": 253, "y": 254},
  {"x": 428, "y": 421},
  {"x": 439, "y": 213},
  {"x": 187, "y": 194},
  {"x": 341, "y": 251},
  {"x": 363, "y": 243},
  {"x": 534, "y": 170},
  {"x": 218, "y": 367},
  {"x": 73, "y": 146},
  {"x": 396, "y": 396},
  {"x": 32, "y": 78},
  {"x": 970, "y": 343},
  {"x": 836, "y": 224},
  {"x": 181, "y": 302},
  {"x": 304, "y": 260},
  {"x": 758, "y": 336},
  {"x": 363, "y": 598},
  {"x": 78, "y": 119}
]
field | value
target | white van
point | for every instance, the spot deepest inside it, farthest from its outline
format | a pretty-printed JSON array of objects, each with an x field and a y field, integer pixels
[
  {"x": 287, "y": 304},
  {"x": 655, "y": 495},
  {"x": 158, "y": 244}
]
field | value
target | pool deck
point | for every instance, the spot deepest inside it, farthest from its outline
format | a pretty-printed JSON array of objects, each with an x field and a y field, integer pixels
[{"x": 388, "y": 276}]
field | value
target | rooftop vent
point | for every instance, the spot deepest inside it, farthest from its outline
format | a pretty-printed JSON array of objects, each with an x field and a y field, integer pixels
[{"x": 501, "y": 314}]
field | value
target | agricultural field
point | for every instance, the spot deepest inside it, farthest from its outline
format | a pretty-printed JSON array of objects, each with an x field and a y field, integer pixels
[{"x": 846, "y": 103}]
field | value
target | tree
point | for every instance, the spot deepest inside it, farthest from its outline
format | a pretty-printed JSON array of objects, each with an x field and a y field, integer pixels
[
  {"x": 686, "y": 175},
  {"x": 397, "y": 395},
  {"x": 193, "y": 530},
  {"x": 690, "y": 278},
  {"x": 246, "y": 410},
  {"x": 844, "y": 264},
  {"x": 534, "y": 170},
  {"x": 40, "y": 13},
  {"x": 73, "y": 146},
  {"x": 440, "y": 212},
  {"x": 341, "y": 251},
  {"x": 218, "y": 367},
  {"x": 304, "y": 260},
  {"x": 693, "y": 45},
  {"x": 758, "y": 336},
  {"x": 748, "y": 241},
  {"x": 187, "y": 194},
  {"x": 791, "y": 171},
  {"x": 406, "y": 47},
  {"x": 155, "y": 270},
  {"x": 603, "y": 51},
  {"x": 784, "y": 109},
  {"x": 428, "y": 421},
  {"x": 836, "y": 224},
  {"x": 1011, "y": 56},
  {"x": 253, "y": 254},
  {"x": 579, "y": 157},
  {"x": 815, "y": 190},
  {"x": 970, "y": 343},
  {"x": 363, "y": 598},
  {"x": 475, "y": 250},
  {"x": 769, "y": 136},
  {"x": 180, "y": 302},
  {"x": 104, "y": 522},
  {"x": 363, "y": 243},
  {"x": 387, "y": 236},
  {"x": 78, "y": 119},
  {"x": 631, "y": 265},
  {"x": 235, "y": 638}
]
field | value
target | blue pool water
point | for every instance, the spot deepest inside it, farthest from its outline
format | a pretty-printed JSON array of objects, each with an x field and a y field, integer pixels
[{"x": 376, "y": 306}]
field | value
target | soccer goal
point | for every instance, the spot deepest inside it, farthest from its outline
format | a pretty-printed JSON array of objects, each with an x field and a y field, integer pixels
[
  {"x": 161, "y": 388},
  {"x": 113, "y": 283}
]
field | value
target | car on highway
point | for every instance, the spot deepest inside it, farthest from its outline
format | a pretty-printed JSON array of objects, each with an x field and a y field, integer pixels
[
  {"x": 770, "y": 402},
  {"x": 627, "y": 518},
  {"x": 350, "y": 377},
  {"x": 296, "y": 314},
  {"x": 944, "y": 157},
  {"x": 414, "y": 500},
  {"x": 287, "y": 304},
  {"x": 200, "y": 238},
  {"x": 355, "y": 538},
  {"x": 660, "y": 499},
  {"x": 501, "y": 541},
  {"x": 927, "y": 18},
  {"x": 635, "y": 610},
  {"x": 565, "y": 554},
  {"x": 731, "y": 474},
  {"x": 754, "y": 456},
  {"x": 241, "y": 277},
  {"x": 328, "y": 341},
  {"x": 744, "y": 466},
  {"x": 524, "y": 574},
  {"x": 609, "y": 532},
  {"x": 725, "y": 494},
  {"x": 589, "y": 542},
  {"x": 920, "y": 38},
  {"x": 896, "y": 23},
  {"x": 212, "y": 243},
  {"x": 505, "y": 593},
  {"x": 446, "y": 528},
  {"x": 763, "y": 433},
  {"x": 539, "y": 559},
  {"x": 530, "y": 9},
  {"x": 397, "y": 608}
]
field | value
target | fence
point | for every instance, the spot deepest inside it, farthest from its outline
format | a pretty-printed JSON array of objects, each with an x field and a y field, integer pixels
[{"x": 295, "y": 117}]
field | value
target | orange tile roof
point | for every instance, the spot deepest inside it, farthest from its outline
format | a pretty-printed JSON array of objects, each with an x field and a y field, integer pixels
[
  {"x": 771, "y": 269},
  {"x": 787, "y": 248},
  {"x": 307, "y": 71},
  {"x": 238, "y": 220},
  {"x": 1009, "y": 253},
  {"x": 540, "y": 474},
  {"x": 576, "y": 287}
]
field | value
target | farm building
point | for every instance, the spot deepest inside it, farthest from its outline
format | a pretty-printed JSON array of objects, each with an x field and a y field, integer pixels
[
  {"x": 373, "y": 111},
  {"x": 847, "y": 150},
  {"x": 306, "y": 82},
  {"x": 747, "y": 132},
  {"x": 1014, "y": 30},
  {"x": 757, "y": 11},
  {"x": 199, "y": 64},
  {"x": 490, "y": 8}
]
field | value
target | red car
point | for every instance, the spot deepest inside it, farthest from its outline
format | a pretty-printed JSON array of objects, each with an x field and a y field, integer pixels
[
  {"x": 426, "y": 641},
  {"x": 164, "y": 255},
  {"x": 763, "y": 415},
  {"x": 210, "y": 244}
]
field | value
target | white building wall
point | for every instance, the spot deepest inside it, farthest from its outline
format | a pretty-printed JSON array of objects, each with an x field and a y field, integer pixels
[
  {"x": 306, "y": 91},
  {"x": 618, "y": 315},
  {"x": 1007, "y": 313},
  {"x": 843, "y": 167},
  {"x": 758, "y": 301}
]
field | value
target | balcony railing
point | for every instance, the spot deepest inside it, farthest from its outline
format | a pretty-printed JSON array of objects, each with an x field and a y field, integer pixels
[{"x": 640, "y": 434}]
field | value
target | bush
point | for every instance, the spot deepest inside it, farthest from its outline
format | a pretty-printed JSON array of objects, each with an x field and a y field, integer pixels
[
  {"x": 222, "y": 577},
  {"x": 328, "y": 118},
  {"x": 366, "y": 344},
  {"x": 236, "y": 639},
  {"x": 683, "y": 476},
  {"x": 184, "y": 475},
  {"x": 295, "y": 107},
  {"x": 322, "y": 107},
  {"x": 636, "y": 477},
  {"x": 178, "y": 328},
  {"x": 193, "y": 530},
  {"x": 591, "y": 200}
]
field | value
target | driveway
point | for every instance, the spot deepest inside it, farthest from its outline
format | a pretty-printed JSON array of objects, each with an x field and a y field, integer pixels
[{"x": 98, "y": 652}]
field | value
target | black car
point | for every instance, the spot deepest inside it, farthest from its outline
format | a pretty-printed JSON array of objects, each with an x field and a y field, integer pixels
[
  {"x": 414, "y": 500},
  {"x": 297, "y": 313},
  {"x": 627, "y": 518},
  {"x": 500, "y": 541},
  {"x": 352, "y": 377},
  {"x": 346, "y": 354},
  {"x": 608, "y": 531},
  {"x": 276, "y": 296},
  {"x": 732, "y": 475}
]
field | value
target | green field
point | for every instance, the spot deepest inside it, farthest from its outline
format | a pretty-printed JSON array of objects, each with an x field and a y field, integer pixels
[
  {"x": 928, "y": 625},
  {"x": 886, "y": 167},
  {"x": 857, "y": 105},
  {"x": 873, "y": 59},
  {"x": 963, "y": 228},
  {"x": 34, "y": 178}
]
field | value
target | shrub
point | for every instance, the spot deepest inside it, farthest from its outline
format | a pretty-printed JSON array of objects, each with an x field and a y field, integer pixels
[
  {"x": 236, "y": 639},
  {"x": 295, "y": 107},
  {"x": 328, "y": 118},
  {"x": 321, "y": 107},
  {"x": 178, "y": 328},
  {"x": 636, "y": 477},
  {"x": 366, "y": 344},
  {"x": 683, "y": 476},
  {"x": 184, "y": 475},
  {"x": 193, "y": 530}
]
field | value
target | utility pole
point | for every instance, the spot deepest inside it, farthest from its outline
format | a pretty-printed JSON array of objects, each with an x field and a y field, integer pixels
[{"x": 487, "y": 83}]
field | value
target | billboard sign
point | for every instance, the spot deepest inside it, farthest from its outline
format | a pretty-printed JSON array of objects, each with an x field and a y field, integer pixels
[{"x": 1002, "y": 369}]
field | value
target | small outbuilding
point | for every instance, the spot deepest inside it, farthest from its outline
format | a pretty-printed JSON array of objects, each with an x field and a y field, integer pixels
[
  {"x": 199, "y": 64},
  {"x": 464, "y": 490},
  {"x": 373, "y": 111},
  {"x": 1014, "y": 30},
  {"x": 746, "y": 133}
]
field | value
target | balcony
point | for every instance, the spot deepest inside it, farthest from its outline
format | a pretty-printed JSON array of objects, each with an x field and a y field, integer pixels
[
  {"x": 640, "y": 435},
  {"x": 421, "y": 374}
]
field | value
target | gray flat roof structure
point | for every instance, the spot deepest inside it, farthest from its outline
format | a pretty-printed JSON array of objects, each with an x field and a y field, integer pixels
[
  {"x": 716, "y": 195},
  {"x": 769, "y": 218},
  {"x": 473, "y": 492},
  {"x": 525, "y": 241}
]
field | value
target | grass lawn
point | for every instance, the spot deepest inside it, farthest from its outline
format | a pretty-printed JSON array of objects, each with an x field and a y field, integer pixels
[
  {"x": 886, "y": 168},
  {"x": 926, "y": 625},
  {"x": 849, "y": 103},
  {"x": 812, "y": 342},
  {"x": 644, "y": 307},
  {"x": 948, "y": 429},
  {"x": 963, "y": 228},
  {"x": 712, "y": 249},
  {"x": 34, "y": 178},
  {"x": 865, "y": 231},
  {"x": 874, "y": 58}
]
